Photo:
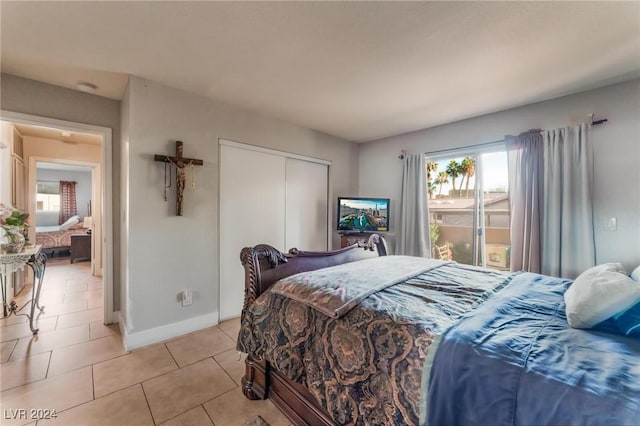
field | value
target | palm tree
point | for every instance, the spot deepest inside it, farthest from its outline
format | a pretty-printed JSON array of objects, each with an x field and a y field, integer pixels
[
  {"x": 431, "y": 167},
  {"x": 431, "y": 187},
  {"x": 469, "y": 165},
  {"x": 453, "y": 170},
  {"x": 467, "y": 169},
  {"x": 441, "y": 179},
  {"x": 463, "y": 173}
]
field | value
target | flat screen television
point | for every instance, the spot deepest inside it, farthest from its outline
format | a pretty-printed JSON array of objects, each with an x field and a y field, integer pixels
[{"x": 356, "y": 214}]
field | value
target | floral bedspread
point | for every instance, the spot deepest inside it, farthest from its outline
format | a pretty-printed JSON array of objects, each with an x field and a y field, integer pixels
[
  {"x": 366, "y": 366},
  {"x": 58, "y": 238}
]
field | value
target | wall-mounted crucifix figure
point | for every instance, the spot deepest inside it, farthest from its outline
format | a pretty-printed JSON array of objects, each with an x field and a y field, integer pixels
[{"x": 179, "y": 162}]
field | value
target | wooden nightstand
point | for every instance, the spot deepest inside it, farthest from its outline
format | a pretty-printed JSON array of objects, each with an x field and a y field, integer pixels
[{"x": 80, "y": 247}]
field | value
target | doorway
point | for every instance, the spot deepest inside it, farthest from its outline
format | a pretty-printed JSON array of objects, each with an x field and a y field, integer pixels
[
  {"x": 68, "y": 134},
  {"x": 81, "y": 189},
  {"x": 469, "y": 215}
]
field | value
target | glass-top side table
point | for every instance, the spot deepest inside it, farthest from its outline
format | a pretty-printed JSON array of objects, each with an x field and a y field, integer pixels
[{"x": 11, "y": 262}]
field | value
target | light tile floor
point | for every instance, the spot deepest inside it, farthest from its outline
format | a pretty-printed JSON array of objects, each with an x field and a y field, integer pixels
[{"x": 78, "y": 368}]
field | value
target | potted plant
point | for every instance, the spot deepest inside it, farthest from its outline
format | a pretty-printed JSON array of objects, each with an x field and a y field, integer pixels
[{"x": 13, "y": 223}]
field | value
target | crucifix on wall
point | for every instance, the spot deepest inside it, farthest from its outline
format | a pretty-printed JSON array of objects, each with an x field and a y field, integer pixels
[{"x": 179, "y": 162}]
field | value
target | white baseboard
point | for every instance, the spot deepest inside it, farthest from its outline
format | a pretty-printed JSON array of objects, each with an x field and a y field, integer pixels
[{"x": 165, "y": 332}]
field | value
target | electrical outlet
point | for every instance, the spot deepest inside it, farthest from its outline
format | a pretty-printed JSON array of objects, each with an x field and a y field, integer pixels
[
  {"x": 187, "y": 298},
  {"x": 610, "y": 224}
]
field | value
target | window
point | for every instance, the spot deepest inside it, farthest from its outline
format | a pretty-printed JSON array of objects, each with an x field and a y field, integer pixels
[
  {"x": 469, "y": 206},
  {"x": 48, "y": 197}
]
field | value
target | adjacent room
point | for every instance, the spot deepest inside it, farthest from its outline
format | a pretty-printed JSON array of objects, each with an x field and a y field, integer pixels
[{"x": 274, "y": 213}]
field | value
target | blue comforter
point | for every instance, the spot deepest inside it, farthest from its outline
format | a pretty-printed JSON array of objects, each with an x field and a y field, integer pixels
[{"x": 515, "y": 360}]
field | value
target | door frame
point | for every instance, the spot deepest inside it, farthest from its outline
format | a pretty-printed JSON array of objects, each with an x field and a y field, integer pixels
[
  {"x": 107, "y": 191},
  {"x": 479, "y": 225},
  {"x": 33, "y": 177}
]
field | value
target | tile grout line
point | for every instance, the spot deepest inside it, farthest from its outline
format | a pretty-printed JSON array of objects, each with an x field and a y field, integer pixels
[
  {"x": 206, "y": 412},
  {"x": 229, "y": 336},
  {"x": 172, "y": 357},
  {"x": 88, "y": 402},
  {"x": 137, "y": 383},
  {"x": 145, "y": 380},
  {"x": 52, "y": 349},
  {"x": 223, "y": 369},
  {"x": 222, "y": 394},
  {"x": 93, "y": 384},
  {"x": 88, "y": 365},
  {"x": 12, "y": 351},
  {"x": 178, "y": 415},
  {"x": 202, "y": 359},
  {"x": 153, "y": 419},
  {"x": 46, "y": 376},
  {"x": 202, "y": 404},
  {"x": 34, "y": 381}
]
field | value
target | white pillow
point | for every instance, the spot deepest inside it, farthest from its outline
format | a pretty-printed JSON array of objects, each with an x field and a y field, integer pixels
[
  {"x": 599, "y": 293},
  {"x": 636, "y": 274},
  {"x": 73, "y": 220}
]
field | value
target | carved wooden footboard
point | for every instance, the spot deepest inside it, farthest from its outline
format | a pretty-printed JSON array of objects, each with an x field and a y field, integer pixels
[{"x": 264, "y": 265}]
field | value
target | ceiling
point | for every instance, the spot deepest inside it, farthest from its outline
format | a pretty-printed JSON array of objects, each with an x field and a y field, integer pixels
[
  {"x": 49, "y": 133},
  {"x": 357, "y": 70}
]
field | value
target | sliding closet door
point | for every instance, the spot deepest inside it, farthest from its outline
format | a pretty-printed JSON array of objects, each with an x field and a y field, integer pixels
[
  {"x": 306, "y": 205},
  {"x": 252, "y": 202}
]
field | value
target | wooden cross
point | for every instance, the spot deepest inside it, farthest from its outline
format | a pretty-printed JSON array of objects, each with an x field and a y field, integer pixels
[{"x": 179, "y": 162}]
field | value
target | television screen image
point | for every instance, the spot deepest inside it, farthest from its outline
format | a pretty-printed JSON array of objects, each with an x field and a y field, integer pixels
[{"x": 363, "y": 214}]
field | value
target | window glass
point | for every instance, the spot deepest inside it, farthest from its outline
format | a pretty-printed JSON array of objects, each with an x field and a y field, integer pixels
[
  {"x": 469, "y": 208},
  {"x": 48, "y": 197}
]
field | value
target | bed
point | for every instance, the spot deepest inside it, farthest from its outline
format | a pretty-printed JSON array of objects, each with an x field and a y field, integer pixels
[
  {"x": 53, "y": 239},
  {"x": 436, "y": 343}
]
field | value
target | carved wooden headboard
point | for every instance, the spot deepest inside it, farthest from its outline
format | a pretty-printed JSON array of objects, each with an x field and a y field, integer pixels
[{"x": 264, "y": 265}]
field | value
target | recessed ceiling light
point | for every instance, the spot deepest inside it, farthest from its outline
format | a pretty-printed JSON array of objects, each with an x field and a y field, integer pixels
[
  {"x": 83, "y": 86},
  {"x": 65, "y": 134}
]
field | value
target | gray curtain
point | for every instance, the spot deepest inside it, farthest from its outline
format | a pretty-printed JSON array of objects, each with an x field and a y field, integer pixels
[
  {"x": 525, "y": 157},
  {"x": 413, "y": 236},
  {"x": 550, "y": 185},
  {"x": 567, "y": 234}
]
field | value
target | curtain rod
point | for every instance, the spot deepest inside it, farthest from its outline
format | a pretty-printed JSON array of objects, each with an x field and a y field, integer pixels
[
  {"x": 483, "y": 144},
  {"x": 597, "y": 122},
  {"x": 462, "y": 148}
]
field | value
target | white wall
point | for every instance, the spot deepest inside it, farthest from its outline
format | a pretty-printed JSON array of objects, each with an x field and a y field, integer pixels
[
  {"x": 83, "y": 192},
  {"x": 167, "y": 253},
  {"x": 617, "y": 155}
]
